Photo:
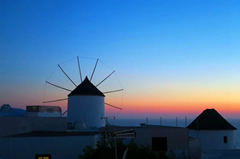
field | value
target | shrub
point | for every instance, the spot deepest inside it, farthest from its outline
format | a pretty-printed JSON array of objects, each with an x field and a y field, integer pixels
[{"x": 134, "y": 152}]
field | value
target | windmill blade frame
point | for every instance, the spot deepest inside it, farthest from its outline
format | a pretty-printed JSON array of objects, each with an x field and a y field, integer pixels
[{"x": 81, "y": 80}]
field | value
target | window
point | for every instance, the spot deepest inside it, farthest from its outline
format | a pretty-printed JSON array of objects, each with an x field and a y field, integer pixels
[
  {"x": 43, "y": 156},
  {"x": 50, "y": 110},
  {"x": 225, "y": 139},
  {"x": 159, "y": 143}
]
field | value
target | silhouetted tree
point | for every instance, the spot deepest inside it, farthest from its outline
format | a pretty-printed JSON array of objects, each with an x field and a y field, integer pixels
[{"x": 134, "y": 152}]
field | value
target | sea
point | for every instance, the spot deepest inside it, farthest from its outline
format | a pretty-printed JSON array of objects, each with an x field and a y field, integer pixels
[{"x": 178, "y": 122}]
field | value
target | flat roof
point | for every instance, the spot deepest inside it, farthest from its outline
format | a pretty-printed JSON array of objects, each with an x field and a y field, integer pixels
[{"x": 54, "y": 134}]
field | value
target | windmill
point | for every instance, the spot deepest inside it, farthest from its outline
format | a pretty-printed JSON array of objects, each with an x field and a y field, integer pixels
[{"x": 86, "y": 103}]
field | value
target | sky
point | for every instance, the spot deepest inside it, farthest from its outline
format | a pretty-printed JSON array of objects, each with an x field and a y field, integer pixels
[{"x": 172, "y": 58}]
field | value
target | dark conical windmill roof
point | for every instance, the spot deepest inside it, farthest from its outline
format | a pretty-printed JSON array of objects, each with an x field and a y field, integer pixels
[
  {"x": 210, "y": 119},
  {"x": 86, "y": 88}
]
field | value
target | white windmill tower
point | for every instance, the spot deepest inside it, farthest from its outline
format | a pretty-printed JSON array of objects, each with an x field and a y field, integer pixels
[{"x": 86, "y": 103}]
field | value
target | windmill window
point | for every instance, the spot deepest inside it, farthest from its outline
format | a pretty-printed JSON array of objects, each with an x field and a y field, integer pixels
[
  {"x": 225, "y": 139},
  {"x": 43, "y": 156},
  {"x": 159, "y": 144}
]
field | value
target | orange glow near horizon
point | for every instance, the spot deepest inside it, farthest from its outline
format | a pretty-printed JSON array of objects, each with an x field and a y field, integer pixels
[
  {"x": 159, "y": 104},
  {"x": 230, "y": 110}
]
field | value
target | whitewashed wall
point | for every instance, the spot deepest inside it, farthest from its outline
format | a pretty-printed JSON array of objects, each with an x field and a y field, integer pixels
[
  {"x": 62, "y": 147},
  {"x": 88, "y": 109},
  {"x": 44, "y": 114},
  {"x": 177, "y": 138},
  {"x": 16, "y": 125},
  {"x": 213, "y": 139},
  {"x": 194, "y": 148}
]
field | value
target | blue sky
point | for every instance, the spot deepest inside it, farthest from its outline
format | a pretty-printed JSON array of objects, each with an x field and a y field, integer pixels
[{"x": 157, "y": 47}]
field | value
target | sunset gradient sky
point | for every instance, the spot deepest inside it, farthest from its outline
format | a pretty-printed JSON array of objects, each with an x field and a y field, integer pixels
[{"x": 173, "y": 58}]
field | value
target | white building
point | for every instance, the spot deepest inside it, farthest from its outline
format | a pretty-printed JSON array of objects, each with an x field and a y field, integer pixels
[
  {"x": 47, "y": 145},
  {"x": 17, "y": 125},
  {"x": 214, "y": 132},
  {"x": 86, "y": 106},
  {"x": 42, "y": 132},
  {"x": 174, "y": 141}
]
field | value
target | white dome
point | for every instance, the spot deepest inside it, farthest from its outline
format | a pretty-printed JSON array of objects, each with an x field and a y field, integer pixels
[{"x": 5, "y": 107}]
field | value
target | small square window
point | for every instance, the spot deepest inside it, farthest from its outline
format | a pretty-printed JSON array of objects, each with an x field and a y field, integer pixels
[
  {"x": 225, "y": 139},
  {"x": 159, "y": 143}
]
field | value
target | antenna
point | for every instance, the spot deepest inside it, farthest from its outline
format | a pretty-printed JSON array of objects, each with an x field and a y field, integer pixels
[
  {"x": 106, "y": 119},
  {"x": 130, "y": 133}
]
